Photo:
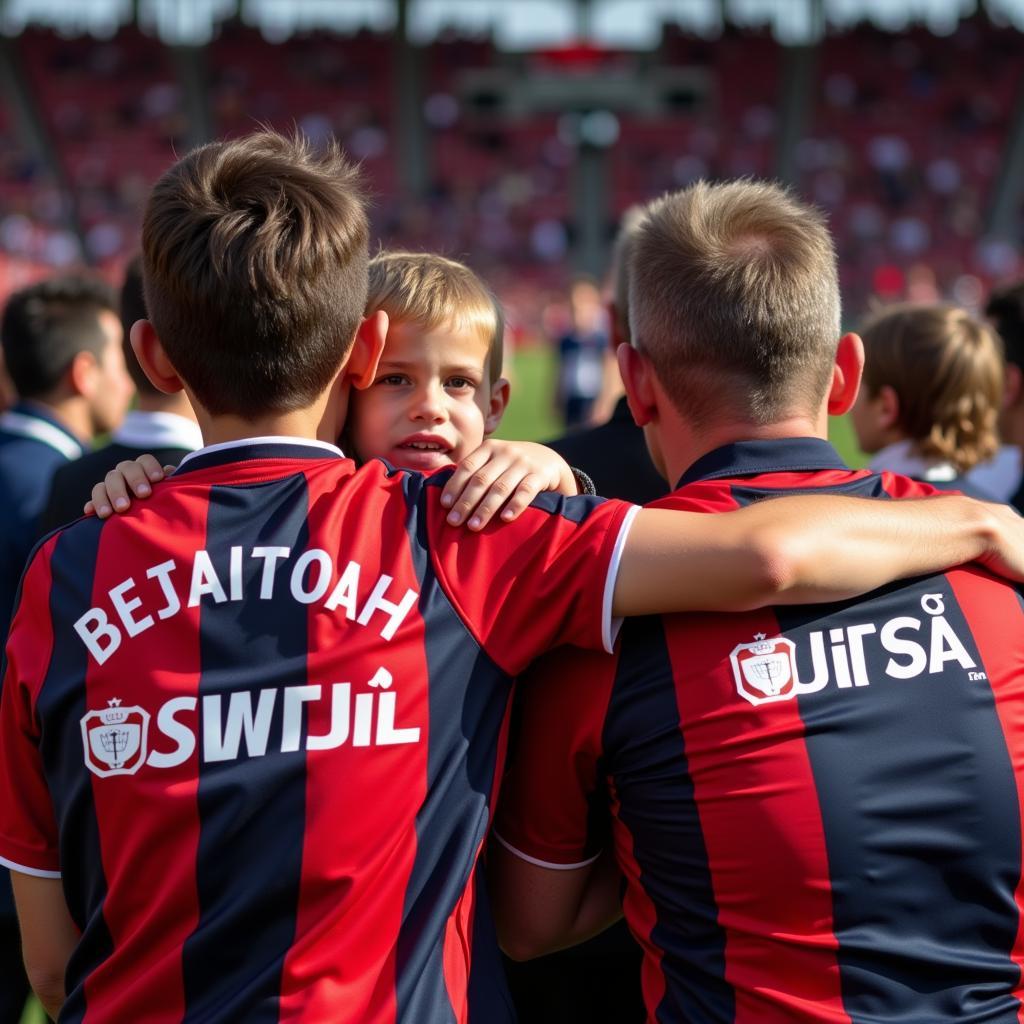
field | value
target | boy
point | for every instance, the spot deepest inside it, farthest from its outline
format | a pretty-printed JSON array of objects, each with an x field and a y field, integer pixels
[
  {"x": 250, "y": 732},
  {"x": 436, "y": 398}
]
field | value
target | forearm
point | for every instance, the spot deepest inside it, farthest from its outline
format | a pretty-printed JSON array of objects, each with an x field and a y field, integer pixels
[
  {"x": 806, "y": 548},
  {"x": 539, "y": 911}
]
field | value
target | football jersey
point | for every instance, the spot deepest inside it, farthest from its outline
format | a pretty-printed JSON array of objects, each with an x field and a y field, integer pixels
[
  {"x": 817, "y": 810},
  {"x": 255, "y": 726}
]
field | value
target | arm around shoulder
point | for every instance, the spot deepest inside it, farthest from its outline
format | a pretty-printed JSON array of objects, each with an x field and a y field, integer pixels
[{"x": 805, "y": 549}]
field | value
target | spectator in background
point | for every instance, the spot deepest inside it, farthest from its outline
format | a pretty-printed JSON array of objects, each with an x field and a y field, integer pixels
[
  {"x": 1005, "y": 311},
  {"x": 163, "y": 425},
  {"x": 581, "y": 352},
  {"x": 62, "y": 350},
  {"x": 614, "y": 454},
  {"x": 932, "y": 391}
]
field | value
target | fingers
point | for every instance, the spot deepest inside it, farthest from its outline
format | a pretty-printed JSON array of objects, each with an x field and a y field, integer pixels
[
  {"x": 529, "y": 487},
  {"x": 472, "y": 493}
]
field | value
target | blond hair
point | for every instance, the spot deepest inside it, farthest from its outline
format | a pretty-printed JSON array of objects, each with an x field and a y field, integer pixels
[
  {"x": 734, "y": 297},
  {"x": 946, "y": 368},
  {"x": 432, "y": 291}
]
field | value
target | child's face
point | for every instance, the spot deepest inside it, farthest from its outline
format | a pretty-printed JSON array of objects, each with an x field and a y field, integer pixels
[{"x": 431, "y": 402}]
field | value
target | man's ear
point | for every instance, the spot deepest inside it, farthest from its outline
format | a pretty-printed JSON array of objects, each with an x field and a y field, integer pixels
[
  {"x": 153, "y": 359},
  {"x": 638, "y": 380},
  {"x": 361, "y": 366},
  {"x": 615, "y": 334},
  {"x": 496, "y": 409},
  {"x": 82, "y": 373},
  {"x": 846, "y": 374}
]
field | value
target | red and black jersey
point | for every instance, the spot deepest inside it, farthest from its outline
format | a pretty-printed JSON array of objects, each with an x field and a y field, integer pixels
[
  {"x": 818, "y": 810},
  {"x": 256, "y": 724}
]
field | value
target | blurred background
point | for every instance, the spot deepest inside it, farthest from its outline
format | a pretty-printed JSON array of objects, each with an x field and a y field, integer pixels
[{"x": 513, "y": 134}]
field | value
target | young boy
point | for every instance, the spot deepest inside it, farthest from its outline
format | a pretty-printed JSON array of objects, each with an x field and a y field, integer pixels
[
  {"x": 436, "y": 398},
  {"x": 933, "y": 387},
  {"x": 250, "y": 732}
]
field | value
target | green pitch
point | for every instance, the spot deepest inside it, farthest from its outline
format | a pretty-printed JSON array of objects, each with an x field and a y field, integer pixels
[{"x": 531, "y": 414}]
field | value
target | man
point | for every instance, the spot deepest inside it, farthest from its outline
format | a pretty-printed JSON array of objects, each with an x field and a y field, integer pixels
[
  {"x": 613, "y": 454},
  {"x": 1005, "y": 311},
  {"x": 817, "y": 811},
  {"x": 62, "y": 350},
  {"x": 163, "y": 425},
  {"x": 250, "y": 731}
]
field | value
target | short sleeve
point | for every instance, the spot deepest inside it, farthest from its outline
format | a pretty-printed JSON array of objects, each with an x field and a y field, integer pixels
[
  {"x": 552, "y": 810},
  {"x": 528, "y": 586},
  {"x": 28, "y": 827}
]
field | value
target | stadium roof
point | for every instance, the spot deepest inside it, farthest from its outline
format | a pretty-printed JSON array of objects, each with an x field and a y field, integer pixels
[{"x": 516, "y": 24}]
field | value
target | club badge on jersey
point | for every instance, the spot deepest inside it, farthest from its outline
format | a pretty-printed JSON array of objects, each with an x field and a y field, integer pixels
[{"x": 115, "y": 739}]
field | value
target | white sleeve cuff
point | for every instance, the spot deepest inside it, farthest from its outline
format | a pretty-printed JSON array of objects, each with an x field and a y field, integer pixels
[
  {"x": 544, "y": 863},
  {"x": 22, "y": 870},
  {"x": 610, "y": 627}
]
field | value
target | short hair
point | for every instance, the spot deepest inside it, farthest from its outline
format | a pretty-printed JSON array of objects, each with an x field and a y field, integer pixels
[
  {"x": 133, "y": 307},
  {"x": 47, "y": 324},
  {"x": 946, "y": 368},
  {"x": 734, "y": 297},
  {"x": 1005, "y": 308},
  {"x": 254, "y": 258},
  {"x": 618, "y": 270},
  {"x": 433, "y": 291}
]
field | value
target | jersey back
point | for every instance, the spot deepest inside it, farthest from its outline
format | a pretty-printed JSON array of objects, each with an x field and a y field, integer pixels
[{"x": 257, "y": 725}]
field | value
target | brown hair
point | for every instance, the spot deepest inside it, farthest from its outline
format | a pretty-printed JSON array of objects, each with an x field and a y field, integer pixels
[
  {"x": 946, "y": 368},
  {"x": 254, "y": 263},
  {"x": 432, "y": 291},
  {"x": 734, "y": 297}
]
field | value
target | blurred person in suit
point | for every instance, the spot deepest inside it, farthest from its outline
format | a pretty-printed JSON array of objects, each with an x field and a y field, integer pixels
[{"x": 163, "y": 425}]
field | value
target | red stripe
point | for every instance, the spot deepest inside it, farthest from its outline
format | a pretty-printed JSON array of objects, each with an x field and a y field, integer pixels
[
  {"x": 640, "y": 912},
  {"x": 361, "y": 802},
  {"x": 149, "y": 822},
  {"x": 23, "y": 789},
  {"x": 1002, "y": 653},
  {"x": 762, "y": 826}
]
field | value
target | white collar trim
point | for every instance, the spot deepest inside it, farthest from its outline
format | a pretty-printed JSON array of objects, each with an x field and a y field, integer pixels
[
  {"x": 24, "y": 425},
  {"x": 248, "y": 442},
  {"x": 158, "y": 430},
  {"x": 901, "y": 458}
]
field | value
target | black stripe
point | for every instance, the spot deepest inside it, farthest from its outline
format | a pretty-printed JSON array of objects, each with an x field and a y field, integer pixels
[
  {"x": 468, "y": 695},
  {"x": 645, "y": 754},
  {"x": 250, "y": 452},
  {"x": 252, "y": 809},
  {"x": 61, "y": 706},
  {"x": 920, "y": 813}
]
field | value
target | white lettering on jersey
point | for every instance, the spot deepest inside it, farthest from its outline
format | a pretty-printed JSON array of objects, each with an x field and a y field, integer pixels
[
  {"x": 312, "y": 578},
  {"x": 765, "y": 671},
  {"x": 115, "y": 738}
]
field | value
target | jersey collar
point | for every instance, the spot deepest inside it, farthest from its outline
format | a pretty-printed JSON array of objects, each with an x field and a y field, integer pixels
[
  {"x": 26, "y": 419},
  {"x": 149, "y": 430},
  {"x": 249, "y": 448},
  {"x": 777, "y": 455}
]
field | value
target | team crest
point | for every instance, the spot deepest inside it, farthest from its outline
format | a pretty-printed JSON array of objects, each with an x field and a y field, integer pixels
[
  {"x": 765, "y": 670},
  {"x": 115, "y": 739}
]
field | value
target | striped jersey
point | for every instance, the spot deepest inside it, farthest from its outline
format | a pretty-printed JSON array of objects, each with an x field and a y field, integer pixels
[
  {"x": 817, "y": 810},
  {"x": 255, "y": 726}
]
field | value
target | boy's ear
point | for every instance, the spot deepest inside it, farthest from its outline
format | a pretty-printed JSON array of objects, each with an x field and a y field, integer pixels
[
  {"x": 637, "y": 378},
  {"x": 153, "y": 358},
  {"x": 361, "y": 365},
  {"x": 500, "y": 391},
  {"x": 846, "y": 374}
]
